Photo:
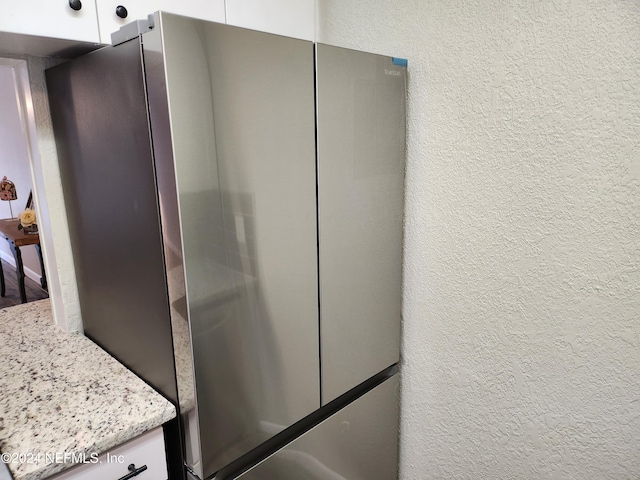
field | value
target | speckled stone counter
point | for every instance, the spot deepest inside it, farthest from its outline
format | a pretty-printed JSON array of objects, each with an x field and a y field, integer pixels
[{"x": 61, "y": 393}]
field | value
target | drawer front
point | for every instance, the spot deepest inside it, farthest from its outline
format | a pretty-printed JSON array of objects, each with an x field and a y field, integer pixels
[
  {"x": 145, "y": 450},
  {"x": 359, "y": 442}
]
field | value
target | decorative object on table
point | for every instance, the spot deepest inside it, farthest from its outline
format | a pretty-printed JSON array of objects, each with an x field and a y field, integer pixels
[
  {"x": 28, "y": 222},
  {"x": 8, "y": 192}
]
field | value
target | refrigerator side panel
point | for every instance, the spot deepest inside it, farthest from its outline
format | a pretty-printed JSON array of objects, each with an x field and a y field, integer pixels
[
  {"x": 99, "y": 114},
  {"x": 241, "y": 105},
  {"x": 361, "y": 151},
  {"x": 359, "y": 442}
]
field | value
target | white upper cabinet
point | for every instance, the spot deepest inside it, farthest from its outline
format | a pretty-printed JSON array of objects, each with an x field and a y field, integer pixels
[
  {"x": 95, "y": 20},
  {"x": 113, "y": 14},
  {"x": 292, "y": 18},
  {"x": 69, "y": 19}
]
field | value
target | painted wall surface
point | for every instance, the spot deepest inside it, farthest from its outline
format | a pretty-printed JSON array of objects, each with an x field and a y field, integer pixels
[
  {"x": 521, "y": 353},
  {"x": 48, "y": 193},
  {"x": 66, "y": 305},
  {"x": 14, "y": 163}
]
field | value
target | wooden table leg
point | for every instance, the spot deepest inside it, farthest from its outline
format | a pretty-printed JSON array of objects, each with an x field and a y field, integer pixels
[
  {"x": 43, "y": 278},
  {"x": 3, "y": 288},
  {"x": 19, "y": 270}
]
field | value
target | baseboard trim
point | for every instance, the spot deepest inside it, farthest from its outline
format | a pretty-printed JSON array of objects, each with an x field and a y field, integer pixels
[{"x": 27, "y": 271}]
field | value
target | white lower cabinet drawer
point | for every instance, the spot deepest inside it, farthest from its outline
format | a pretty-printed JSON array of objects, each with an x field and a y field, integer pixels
[{"x": 147, "y": 450}]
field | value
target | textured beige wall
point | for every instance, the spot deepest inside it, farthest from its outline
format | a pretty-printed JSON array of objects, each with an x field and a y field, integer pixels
[
  {"x": 521, "y": 353},
  {"x": 57, "y": 247}
]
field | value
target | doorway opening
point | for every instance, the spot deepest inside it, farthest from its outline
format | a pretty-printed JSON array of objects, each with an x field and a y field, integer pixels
[{"x": 20, "y": 162}]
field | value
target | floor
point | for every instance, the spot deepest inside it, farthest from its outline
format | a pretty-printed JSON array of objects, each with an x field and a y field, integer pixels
[{"x": 12, "y": 297}]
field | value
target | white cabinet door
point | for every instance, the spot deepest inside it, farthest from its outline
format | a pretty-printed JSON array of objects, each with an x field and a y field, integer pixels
[
  {"x": 110, "y": 21},
  {"x": 147, "y": 450},
  {"x": 292, "y": 18},
  {"x": 51, "y": 18}
]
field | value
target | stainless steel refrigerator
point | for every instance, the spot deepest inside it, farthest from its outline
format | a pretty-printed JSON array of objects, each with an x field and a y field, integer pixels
[{"x": 235, "y": 202}]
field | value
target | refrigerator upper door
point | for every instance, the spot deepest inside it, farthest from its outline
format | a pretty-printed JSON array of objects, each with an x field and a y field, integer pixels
[
  {"x": 361, "y": 151},
  {"x": 241, "y": 108}
]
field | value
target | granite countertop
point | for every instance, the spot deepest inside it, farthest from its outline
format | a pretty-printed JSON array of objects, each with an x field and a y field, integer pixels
[{"x": 60, "y": 393}]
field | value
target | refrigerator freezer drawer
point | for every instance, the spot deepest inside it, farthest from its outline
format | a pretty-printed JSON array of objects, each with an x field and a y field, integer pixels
[
  {"x": 359, "y": 442},
  {"x": 361, "y": 151}
]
